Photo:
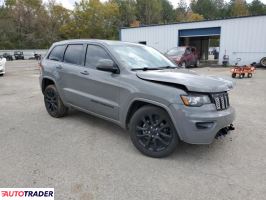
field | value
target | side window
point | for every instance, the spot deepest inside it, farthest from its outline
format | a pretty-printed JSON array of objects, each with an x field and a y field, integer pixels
[
  {"x": 73, "y": 54},
  {"x": 94, "y": 55},
  {"x": 57, "y": 53}
]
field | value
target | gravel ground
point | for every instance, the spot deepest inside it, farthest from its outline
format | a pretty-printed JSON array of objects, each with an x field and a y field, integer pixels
[{"x": 87, "y": 158}]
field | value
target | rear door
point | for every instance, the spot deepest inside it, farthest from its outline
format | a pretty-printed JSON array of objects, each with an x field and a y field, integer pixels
[
  {"x": 54, "y": 66},
  {"x": 70, "y": 75}
]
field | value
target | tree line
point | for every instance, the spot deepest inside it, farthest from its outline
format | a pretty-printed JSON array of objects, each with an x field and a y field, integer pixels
[{"x": 35, "y": 24}]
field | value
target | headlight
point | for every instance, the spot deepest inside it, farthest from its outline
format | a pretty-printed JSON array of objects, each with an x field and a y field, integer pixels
[{"x": 196, "y": 100}]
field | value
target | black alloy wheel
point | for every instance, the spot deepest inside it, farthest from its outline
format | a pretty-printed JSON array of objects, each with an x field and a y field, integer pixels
[
  {"x": 53, "y": 102},
  {"x": 152, "y": 132}
]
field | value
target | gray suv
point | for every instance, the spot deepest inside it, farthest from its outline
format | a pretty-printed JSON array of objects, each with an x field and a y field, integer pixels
[{"x": 139, "y": 89}]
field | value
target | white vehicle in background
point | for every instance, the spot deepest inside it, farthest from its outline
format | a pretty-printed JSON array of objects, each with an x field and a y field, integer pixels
[{"x": 2, "y": 66}]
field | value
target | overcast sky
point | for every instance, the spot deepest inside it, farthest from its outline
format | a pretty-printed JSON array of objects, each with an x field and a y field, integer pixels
[{"x": 69, "y": 3}]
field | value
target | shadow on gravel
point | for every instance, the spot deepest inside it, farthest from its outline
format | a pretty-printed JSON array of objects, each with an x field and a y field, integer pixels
[
  {"x": 183, "y": 151},
  {"x": 96, "y": 122}
]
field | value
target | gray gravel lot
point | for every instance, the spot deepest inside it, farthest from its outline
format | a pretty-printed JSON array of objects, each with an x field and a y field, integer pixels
[{"x": 87, "y": 158}]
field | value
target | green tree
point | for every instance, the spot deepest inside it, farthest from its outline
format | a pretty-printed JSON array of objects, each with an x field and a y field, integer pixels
[
  {"x": 127, "y": 12},
  {"x": 168, "y": 12},
  {"x": 58, "y": 16},
  {"x": 209, "y": 9},
  {"x": 93, "y": 19},
  {"x": 8, "y": 32},
  {"x": 181, "y": 11},
  {"x": 238, "y": 8},
  {"x": 190, "y": 17},
  {"x": 256, "y": 7},
  {"x": 149, "y": 11},
  {"x": 27, "y": 16}
]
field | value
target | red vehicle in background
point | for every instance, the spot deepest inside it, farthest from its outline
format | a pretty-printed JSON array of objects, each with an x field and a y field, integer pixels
[{"x": 184, "y": 56}]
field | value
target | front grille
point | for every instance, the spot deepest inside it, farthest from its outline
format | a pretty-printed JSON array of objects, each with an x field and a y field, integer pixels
[{"x": 221, "y": 100}]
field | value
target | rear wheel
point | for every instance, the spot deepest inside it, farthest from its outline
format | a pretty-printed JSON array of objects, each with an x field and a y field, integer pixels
[
  {"x": 197, "y": 63},
  {"x": 152, "y": 132},
  {"x": 53, "y": 102},
  {"x": 249, "y": 75},
  {"x": 263, "y": 62},
  {"x": 233, "y": 75}
]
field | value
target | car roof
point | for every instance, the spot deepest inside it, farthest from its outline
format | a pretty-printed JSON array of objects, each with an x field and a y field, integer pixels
[{"x": 104, "y": 42}]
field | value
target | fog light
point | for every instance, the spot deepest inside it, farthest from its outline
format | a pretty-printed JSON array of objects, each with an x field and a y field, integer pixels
[{"x": 204, "y": 125}]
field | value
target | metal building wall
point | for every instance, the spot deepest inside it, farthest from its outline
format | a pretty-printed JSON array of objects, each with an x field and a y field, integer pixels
[{"x": 243, "y": 38}]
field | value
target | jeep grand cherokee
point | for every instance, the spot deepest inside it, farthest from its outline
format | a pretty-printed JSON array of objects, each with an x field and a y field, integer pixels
[{"x": 137, "y": 88}]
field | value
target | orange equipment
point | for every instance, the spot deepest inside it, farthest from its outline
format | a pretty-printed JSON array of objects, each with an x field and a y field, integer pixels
[{"x": 241, "y": 71}]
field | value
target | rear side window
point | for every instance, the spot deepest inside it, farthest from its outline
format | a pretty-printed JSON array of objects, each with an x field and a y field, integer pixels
[
  {"x": 94, "y": 55},
  {"x": 73, "y": 54},
  {"x": 57, "y": 53}
]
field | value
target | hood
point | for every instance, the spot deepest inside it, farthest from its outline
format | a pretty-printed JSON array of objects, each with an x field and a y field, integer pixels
[
  {"x": 192, "y": 81},
  {"x": 174, "y": 58}
]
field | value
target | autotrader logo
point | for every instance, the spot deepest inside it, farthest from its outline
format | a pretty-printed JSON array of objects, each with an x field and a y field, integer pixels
[{"x": 26, "y": 193}]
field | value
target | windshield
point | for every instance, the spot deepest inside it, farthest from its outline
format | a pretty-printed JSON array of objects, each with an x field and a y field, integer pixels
[
  {"x": 176, "y": 52},
  {"x": 137, "y": 56}
]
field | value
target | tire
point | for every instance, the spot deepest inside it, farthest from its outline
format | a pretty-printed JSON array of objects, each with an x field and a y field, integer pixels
[
  {"x": 53, "y": 102},
  {"x": 233, "y": 75},
  {"x": 197, "y": 63},
  {"x": 249, "y": 75},
  {"x": 263, "y": 62},
  {"x": 241, "y": 75},
  {"x": 183, "y": 65},
  {"x": 152, "y": 132}
]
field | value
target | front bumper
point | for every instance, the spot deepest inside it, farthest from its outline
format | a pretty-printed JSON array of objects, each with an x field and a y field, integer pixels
[
  {"x": 200, "y": 125},
  {"x": 2, "y": 70}
]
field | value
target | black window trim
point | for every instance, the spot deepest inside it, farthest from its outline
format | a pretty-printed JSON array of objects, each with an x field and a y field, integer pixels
[
  {"x": 105, "y": 49},
  {"x": 83, "y": 57}
]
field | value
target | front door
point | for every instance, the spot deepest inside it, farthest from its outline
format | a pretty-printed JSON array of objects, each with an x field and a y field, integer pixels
[{"x": 102, "y": 88}]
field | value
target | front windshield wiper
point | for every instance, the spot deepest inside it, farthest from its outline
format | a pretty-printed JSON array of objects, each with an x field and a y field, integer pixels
[
  {"x": 168, "y": 67},
  {"x": 154, "y": 68},
  {"x": 146, "y": 68}
]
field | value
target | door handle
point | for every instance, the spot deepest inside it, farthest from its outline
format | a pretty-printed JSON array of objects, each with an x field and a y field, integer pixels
[
  {"x": 59, "y": 67},
  {"x": 85, "y": 73}
]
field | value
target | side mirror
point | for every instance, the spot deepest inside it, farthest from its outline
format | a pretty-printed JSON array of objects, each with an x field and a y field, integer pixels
[{"x": 107, "y": 65}]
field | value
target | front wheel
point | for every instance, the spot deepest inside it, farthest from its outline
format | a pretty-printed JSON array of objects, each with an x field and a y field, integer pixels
[
  {"x": 183, "y": 65},
  {"x": 152, "y": 132},
  {"x": 53, "y": 102}
]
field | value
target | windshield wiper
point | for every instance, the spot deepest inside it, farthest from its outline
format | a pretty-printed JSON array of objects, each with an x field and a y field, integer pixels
[
  {"x": 154, "y": 68},
  {"x": 168, "y": 67},
  {"x": 146, "y": 68}
]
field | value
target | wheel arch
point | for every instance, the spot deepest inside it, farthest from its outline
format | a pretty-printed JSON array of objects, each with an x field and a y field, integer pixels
[
  {"x": 138, "y": 103},
  {"x": 47, "y": 81}
]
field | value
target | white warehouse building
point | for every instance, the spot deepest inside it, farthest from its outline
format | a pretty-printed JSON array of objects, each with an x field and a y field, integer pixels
[{"x": 241, "y": 37}]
